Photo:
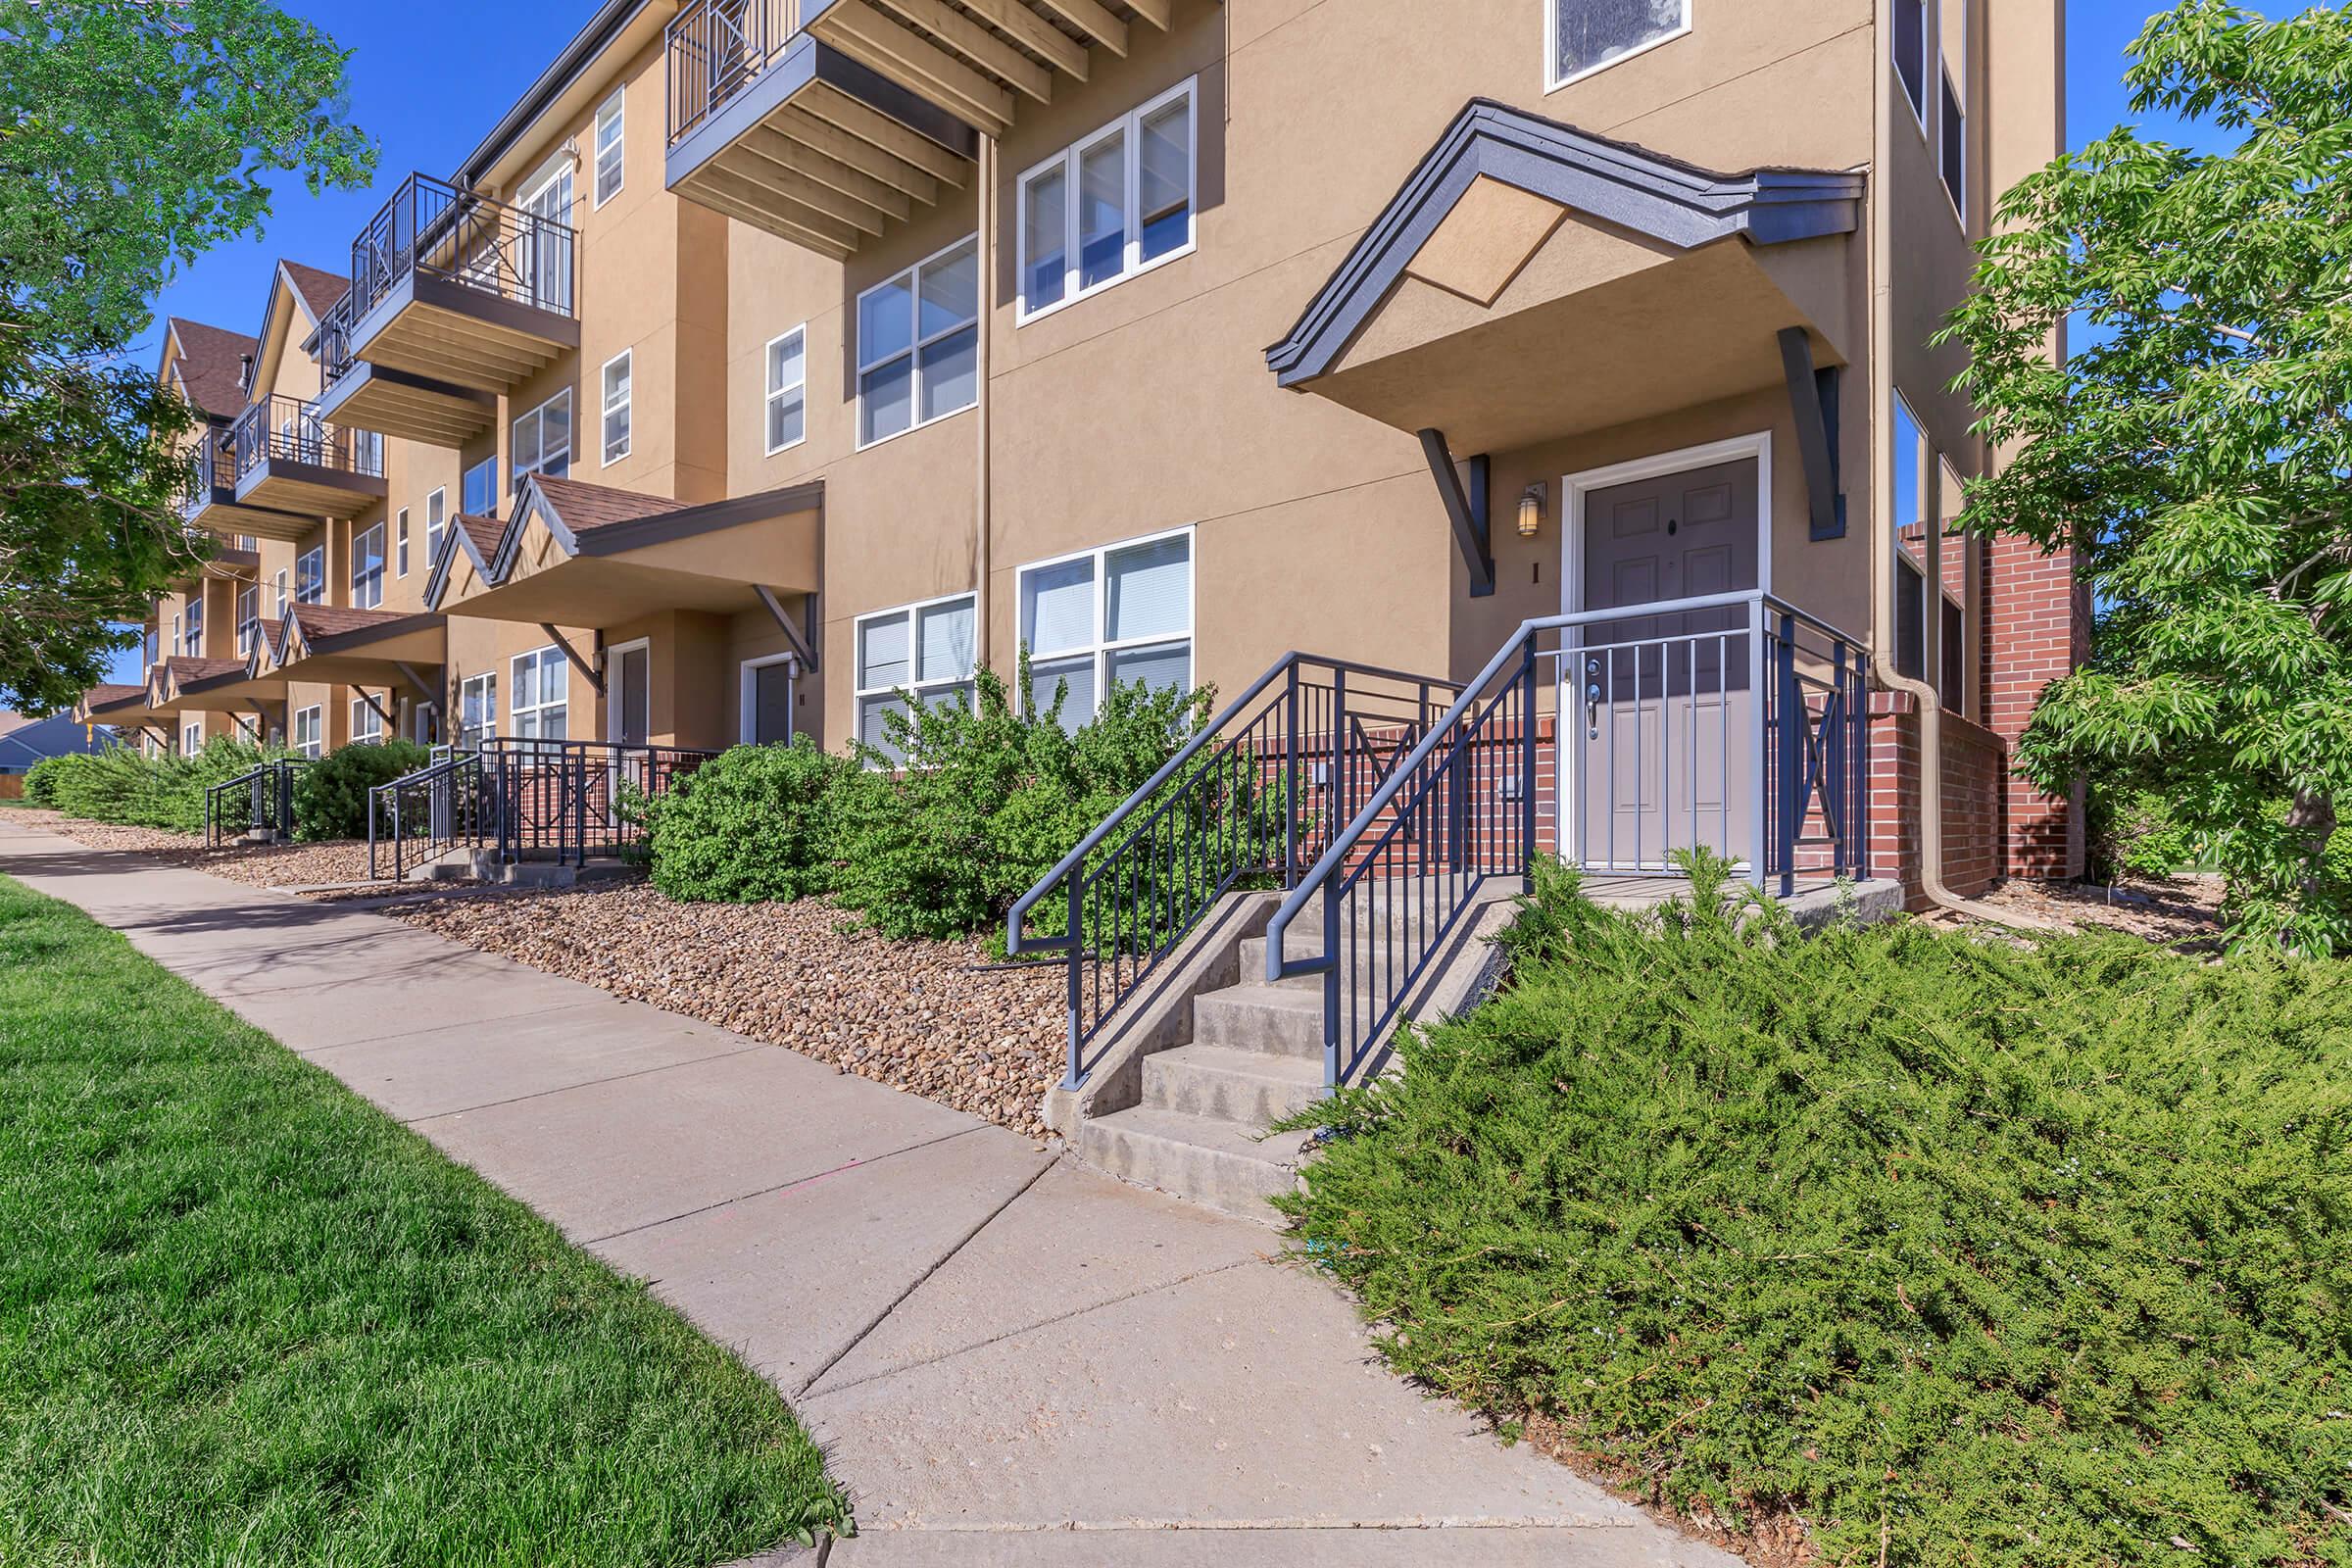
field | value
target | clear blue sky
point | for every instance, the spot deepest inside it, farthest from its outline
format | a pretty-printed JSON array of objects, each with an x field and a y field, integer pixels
[{"x": 429, "y": 103}]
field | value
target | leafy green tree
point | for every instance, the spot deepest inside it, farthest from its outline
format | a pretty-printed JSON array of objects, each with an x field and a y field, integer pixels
[
  {"x": 133, "y": 137},
  {"x": 2194, "y": 450}
]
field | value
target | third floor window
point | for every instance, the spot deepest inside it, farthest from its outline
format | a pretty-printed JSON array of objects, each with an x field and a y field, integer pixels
[
  {"x": 543, "y": 439},
  {"x": 368, "y": 568},
  {"x": 309, "y": 575},
  {"x": 192, "y": 643},
  {"x": 1109, "y": 207},
  {"x": 479, "y": 491},
  {"x": 918, "y": 343},
  {"x": 1589, "y": 35}
]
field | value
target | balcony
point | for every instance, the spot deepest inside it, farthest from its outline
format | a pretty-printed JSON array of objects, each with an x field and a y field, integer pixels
[
  {"x": 211, "y": 502},
  {"x": 291, "y": 461},
  {"x": 394, "y": 402},
  {"x": 451, "y": 292}
]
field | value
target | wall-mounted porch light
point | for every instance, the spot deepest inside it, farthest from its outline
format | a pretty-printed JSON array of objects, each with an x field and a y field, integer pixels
[{"x": 1531, "y": 511}]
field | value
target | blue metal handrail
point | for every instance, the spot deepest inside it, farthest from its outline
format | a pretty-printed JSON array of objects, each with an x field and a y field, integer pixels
[
  {"x": 268, "y": 791},
  {"x": 441, "y": 807}
]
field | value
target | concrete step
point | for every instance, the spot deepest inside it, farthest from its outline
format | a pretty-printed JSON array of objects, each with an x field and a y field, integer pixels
[
  {"x": 1201, "y": 1159},
  {"x": 1248, "y": 1088},
  {"x": 1295, "y": 944},
  {"x": 1277, "y": 1020}
]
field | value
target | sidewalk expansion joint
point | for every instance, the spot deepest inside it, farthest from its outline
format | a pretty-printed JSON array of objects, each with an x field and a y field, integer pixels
[{"x": 565, "y": 1089}]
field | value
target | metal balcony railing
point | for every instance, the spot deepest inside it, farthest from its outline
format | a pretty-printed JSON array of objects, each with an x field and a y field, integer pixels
[
  {"x": 259, "y": 800},
  {"x": 716, "y": 49},
  {"x": 210, "y": 467},
  {"x": 434, "y": 230},
  {"x": 290, "y": 430}
]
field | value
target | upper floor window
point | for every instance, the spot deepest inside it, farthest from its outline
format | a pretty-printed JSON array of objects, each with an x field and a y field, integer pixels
[
  {"x": 617, "y": 379},
  {"x": 400, "y": 546},
  {"x": 279, "y": 582},
  {"x": 309, "y": 575},
  {"x": 542, "y": 685},
  {"x": 249, "y": 619},
  {"x": 1953, "y": 154},
  {"x": 1109, "y": 207},
  {"x": 917, "y": 344},
  {"x": 1120, "y": 615},
  {"x": 479, "y": 491},
  {"x": 436, "y": 519},
  {"x": 543, "y": 439},
  {"x": 787, "y": 389},
  {"x": 1589, "y": 35},
  {"x": 608, "y": 142},
  {"x": 368, "y": 568},
  {"x": 1911, "y": 53},
  {"x": 367, "y": 452},
  {"x": 192, "y": 639},
  {"x": 925, "y": 651}
]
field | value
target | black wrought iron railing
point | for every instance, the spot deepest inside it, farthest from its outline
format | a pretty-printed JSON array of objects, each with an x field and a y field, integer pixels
[
  {"x": 211, "y": 466},
  {"x": 330, "y": 345},
  {"x": 258, "y": 801},
  {"x": 1732, "y": 724},
  {"x": 283, "y": 430},
  {"x": 431, "y": 228},
  {"x": 423, "y": 817},
  {"x": 715, "y": 48},
  {"x": 1249, "y": 801},
  {"x": 573, "y": 801}
]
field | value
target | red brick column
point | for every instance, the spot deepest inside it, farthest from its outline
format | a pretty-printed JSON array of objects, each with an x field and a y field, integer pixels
[
  {"x": 2036, "y": 628},
  {"x": 1975, "y": 764}
]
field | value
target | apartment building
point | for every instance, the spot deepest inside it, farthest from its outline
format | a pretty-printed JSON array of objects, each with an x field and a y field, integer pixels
[{"x": 772, "y": 362}]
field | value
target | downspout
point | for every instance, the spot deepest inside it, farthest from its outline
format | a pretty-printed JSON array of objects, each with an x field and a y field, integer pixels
[
  {"x": 1930, "y": 702},
  {"x": 981, "y": 482}
]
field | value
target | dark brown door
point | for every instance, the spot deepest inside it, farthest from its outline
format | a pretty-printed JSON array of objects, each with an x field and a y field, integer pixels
[{"x": 1660, "y": 704}]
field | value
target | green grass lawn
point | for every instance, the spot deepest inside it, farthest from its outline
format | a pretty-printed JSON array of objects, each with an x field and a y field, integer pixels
[
  {"x": 246, "y": 1319},
  {"x": 1965, "y": 1256}
]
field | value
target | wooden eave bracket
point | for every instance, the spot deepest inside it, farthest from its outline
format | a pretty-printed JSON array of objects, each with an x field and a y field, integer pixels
[
  {"x": 1813, "y": 402},
  {"x": 1467, "y": 509},
  {"x": 803, "y": 642},
  {"x": 594, "y": 676}
]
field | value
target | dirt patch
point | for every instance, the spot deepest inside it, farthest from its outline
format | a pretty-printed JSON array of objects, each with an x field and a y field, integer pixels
[
  {"x": 934, "y": 1019},
  {"x": 266, "y": 865},
  {"x": 2167, "y": 910}
]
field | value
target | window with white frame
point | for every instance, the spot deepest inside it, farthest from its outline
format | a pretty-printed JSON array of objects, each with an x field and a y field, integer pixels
[
  {"x": 1109, "y": 207},
  {"x": 788, "y": 389},
  {"x": 171, "y": 649},
  {"x": 192, "y": 641},
  {"x": 367, "y": 452},
  {"x": 479, "y": 491},
  {"x": 477, "y": 709},
  {"x": 609, "y": 143},
  {"x": 925, "y": 651},
  {"x": 542, "y": 682},
  {"x": 436, "y": 519},
  {"x": 191, "y": 738},
  {"x": 1910, "y": 44},
  {"x": 1589, "y": 35},
  {"x": 308, "y": 730},
  {"x": 1952, "y": 139},
  {"x": 1120, "y": 615},
  {"x": 617, "y": 406},
  {"x": 368, "y": 567},
  {"x": 249, "y": 619},
  {"x": 366, "y": 724},
  {"x": 278, "y": 588},
  {"x": 917, "y": 344},
  {"x": 400, "y": 545},
  {"x": 309, "y": 575},
  {"x": 543, "y": 439}
]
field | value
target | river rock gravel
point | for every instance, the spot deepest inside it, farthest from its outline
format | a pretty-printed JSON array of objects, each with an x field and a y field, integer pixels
[
  {"x": 266, "y": 865},
  {"x": 934, "y": 1019}
]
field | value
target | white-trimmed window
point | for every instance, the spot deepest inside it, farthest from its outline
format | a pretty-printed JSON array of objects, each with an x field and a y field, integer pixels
[
  {"x": 1587, "y": 35},
  {"x": 788, "y": 389},
  {"x": 191, "y": 738},
  {"x": 617, "y": 379},
  {"x": 279, "y": 587},
  {"x": 1118, "y": 615},
  {"x": 192, "y": 641},
  {"x": 400, "y": 545},
  {"x": 366, "y": 724},
  {"x": 368, "y": 568},
  {"x": 171, "y": 649},
  {"x": 308, "y": 730},
  {"x": 918, "y": 338},
  {"x": 309, "y": 575},
  {"x": 436, "y": 519},
  {"x": 1109, "y": 207},
  {"x": 543, "y": 439},
  {"x": 925, "y": 650},
  {"x": 1951, "y": 139},
  {"x": 477, "y": 491},
  {"x": 542, "y": 685},
  {"x": 1910, "y": 46},
  {"x": 249, "y": 619},
  {"x": 477, "y": 709},
  {"x": 367, "y": 452},
  {"x": 609, "y": 144}
]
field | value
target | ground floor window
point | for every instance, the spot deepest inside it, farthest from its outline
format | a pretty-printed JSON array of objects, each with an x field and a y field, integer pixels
[
  {"x": 541, "y": 686},
  {"x": 1118, "y": 615},
  {"x": 309, "y": 732},
  {"x": 768, "y": 701},
  {"x": 477, "y": 710},
  {"x": 920, "y": 650},
  {"x": 366, "y": 724}
]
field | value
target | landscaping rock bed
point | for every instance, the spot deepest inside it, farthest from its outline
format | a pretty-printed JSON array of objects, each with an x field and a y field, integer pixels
[
  {"x": 264, "y": 865},
  {"x": 934, "y": 1019}
]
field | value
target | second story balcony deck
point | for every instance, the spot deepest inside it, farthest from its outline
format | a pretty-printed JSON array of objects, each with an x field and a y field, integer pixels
[
  {"x": 455, "y": 297},
  {"x": 290, "y": 460},
  {"x": 211, "y": 502}
]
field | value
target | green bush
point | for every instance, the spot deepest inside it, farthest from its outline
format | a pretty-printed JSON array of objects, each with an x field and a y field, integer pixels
[
  {"x": 331, "y": 796},
  {"x": 2134, "y": 832},
  {"x": 1962, "y": 1253},
  {"x": 119, "y": 785},
  {"x": 748, "y": 825},
  {"x": 43, "y": 779}
]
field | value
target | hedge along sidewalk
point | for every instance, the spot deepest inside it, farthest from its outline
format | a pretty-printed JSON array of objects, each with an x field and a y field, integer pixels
[{"x": 245, "y": 1316}]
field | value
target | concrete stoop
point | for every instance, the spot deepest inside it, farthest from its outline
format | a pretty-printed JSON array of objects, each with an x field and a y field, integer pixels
[{"x": 484, "y": 865}]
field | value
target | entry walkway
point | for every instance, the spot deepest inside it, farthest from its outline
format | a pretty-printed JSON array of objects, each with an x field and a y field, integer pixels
[{"x": 1008, "y": 1359}]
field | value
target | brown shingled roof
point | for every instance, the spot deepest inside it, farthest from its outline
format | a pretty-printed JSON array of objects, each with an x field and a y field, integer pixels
[
  {"x": 110, "y": 696},
  {"x": 319, "y": 288},
  {"x": 586, "y": 507},
  {"x": 484, "y": 532},
  {"x": 210, "y": 358},
  {"x": 335, "y": 620},
  {"x": 185, "y": 670}
]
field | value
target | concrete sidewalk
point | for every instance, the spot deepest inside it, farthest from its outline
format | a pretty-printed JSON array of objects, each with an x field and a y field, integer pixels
[{"x": 1007, "y": 1360}]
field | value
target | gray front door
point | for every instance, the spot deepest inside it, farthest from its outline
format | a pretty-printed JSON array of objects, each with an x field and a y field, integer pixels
[
  {"x": 635, "y": 697},
  {"x": 1655, "y": 707}
]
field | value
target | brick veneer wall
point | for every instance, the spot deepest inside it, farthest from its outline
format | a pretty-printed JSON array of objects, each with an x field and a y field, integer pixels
[
  {"x": 2038, "y": 628},
  {"x": 1975, "y": 763}
]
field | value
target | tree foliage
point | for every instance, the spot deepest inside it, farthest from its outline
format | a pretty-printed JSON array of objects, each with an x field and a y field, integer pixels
[
  {"x": 133, "y": 137},
  {"x": 2194, "y": 449}
]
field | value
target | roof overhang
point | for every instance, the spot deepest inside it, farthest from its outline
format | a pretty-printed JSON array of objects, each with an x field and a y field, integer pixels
[
  {"x": 112, "y": 704},
  {"x": 714, "y": 558},
  {"x": 237, "y": 693},
  {"x": 396, "y": 652},
  {"x": 617, "y": 30}
]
